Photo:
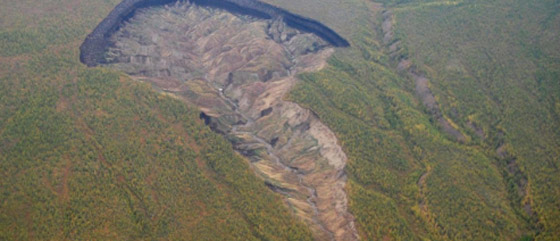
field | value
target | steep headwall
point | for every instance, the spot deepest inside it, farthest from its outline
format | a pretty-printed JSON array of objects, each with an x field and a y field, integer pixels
[
  {"x": 237, "y": 70},
  {"x": 264, "y": 10},
  {"x": 96, "y": 43}
]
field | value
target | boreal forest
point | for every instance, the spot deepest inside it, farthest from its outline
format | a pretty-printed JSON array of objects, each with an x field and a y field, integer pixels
[{"x": 280, "y": 120}]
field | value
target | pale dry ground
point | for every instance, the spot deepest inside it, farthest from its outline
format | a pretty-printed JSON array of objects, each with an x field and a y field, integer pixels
[{"x": 237, "y": 70}]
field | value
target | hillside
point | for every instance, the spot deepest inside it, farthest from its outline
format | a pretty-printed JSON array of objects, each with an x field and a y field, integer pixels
[
  {"x": 236, "y": 69},
  {"x": 440, "y": 121},
  {"x": 448, "y": 112},
  {"x": 89, "y": 154}
]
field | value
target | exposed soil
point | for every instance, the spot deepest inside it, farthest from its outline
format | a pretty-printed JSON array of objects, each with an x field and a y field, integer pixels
[
  {"x": 513, "y": 174},
  {"x": 237, "y": 69},
  {"x": 93, "y": 48},
  {"x": 421, "y": 81}
]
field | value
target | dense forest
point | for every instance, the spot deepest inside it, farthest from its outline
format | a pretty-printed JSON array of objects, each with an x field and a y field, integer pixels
[
  {"x": 493, "y": 70},
  {"x": 91, "y": 154}
]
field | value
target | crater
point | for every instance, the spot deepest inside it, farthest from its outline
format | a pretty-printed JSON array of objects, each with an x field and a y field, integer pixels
[
  {"x": 96, "y": 43},
  {"x": 236, "y": 64}
]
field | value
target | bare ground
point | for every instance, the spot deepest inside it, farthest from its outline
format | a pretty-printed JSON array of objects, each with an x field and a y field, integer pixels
[{"x": 237, "y": 70}]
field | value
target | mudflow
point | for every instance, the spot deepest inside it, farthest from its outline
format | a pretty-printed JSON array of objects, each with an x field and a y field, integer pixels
[{"x": 237, "y": 69}]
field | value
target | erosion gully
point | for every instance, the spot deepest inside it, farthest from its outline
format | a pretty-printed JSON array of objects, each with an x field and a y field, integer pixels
[{"x": 237, "y": 69}]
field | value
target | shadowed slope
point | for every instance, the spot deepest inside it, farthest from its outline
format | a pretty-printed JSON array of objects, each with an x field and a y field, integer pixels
[{"x": 96, "y": 44}]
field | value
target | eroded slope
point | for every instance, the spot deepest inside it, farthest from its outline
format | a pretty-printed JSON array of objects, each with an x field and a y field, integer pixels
[{"x": 237, "y": 69}]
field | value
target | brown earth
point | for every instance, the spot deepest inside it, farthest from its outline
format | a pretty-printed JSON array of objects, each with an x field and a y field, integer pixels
[{"x": 237, "y": 69}]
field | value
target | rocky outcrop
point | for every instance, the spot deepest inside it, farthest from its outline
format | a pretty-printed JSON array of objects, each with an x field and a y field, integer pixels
[
  {"x": 96, "y": 43},
  {"x": 237, "y": 69}
]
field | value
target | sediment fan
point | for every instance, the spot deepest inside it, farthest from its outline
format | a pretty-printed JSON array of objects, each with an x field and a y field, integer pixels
[{"x": 96, "y": 43}]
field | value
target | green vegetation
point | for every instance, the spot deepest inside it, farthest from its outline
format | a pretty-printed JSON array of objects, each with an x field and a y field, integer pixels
[
  {"x": 506, "y": 80},
  {"x": 493, "y": 68},
  {"x": 89, "y": 154}
]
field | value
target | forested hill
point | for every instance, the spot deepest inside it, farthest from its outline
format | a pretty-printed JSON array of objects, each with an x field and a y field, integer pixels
[
  {"x": 89, "y": 154},
  {"x": 448, "y": 112}
]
